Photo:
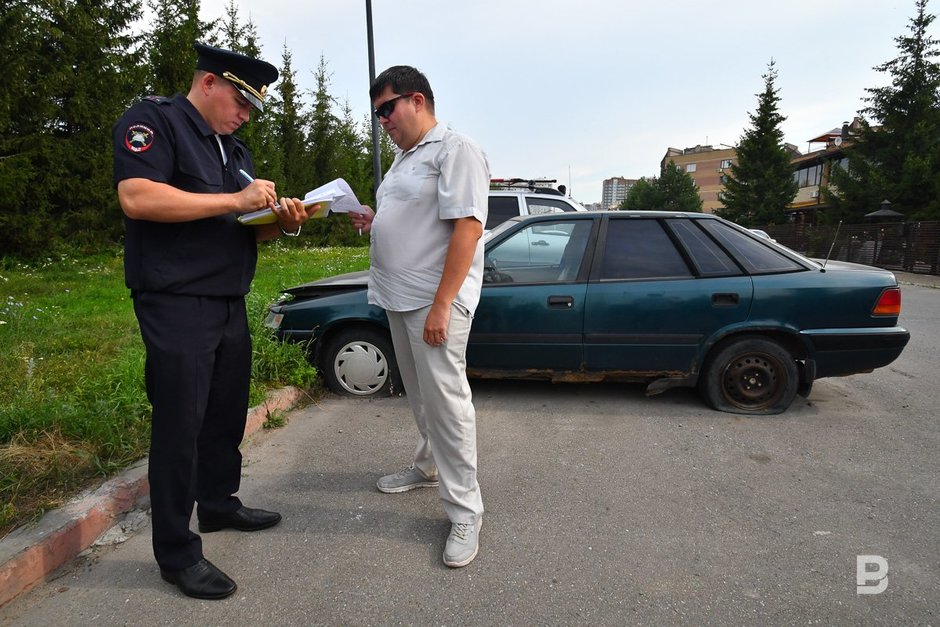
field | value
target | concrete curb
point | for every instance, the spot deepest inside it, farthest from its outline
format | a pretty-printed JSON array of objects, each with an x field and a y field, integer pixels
[
  {"x": 922, "y": 280},
  {"x": 30, "y": 554}
]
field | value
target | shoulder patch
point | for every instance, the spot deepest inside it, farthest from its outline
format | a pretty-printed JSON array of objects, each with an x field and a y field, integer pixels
[
  {"x": 157, "y": 99},
  {"x": 138, "y": 137}
]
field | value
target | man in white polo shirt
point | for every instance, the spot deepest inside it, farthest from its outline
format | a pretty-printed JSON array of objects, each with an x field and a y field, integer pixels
[{"x": 426, "y": 272}]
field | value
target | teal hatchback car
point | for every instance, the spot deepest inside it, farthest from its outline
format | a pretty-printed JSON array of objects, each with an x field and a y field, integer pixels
[{"x": 668, "y": 299}]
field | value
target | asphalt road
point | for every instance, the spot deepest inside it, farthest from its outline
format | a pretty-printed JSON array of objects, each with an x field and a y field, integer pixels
[{"x": 603, "y": 507}]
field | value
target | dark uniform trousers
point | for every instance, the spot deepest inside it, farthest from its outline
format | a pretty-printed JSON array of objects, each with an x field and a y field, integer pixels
[{"x": 197, "y": 372}]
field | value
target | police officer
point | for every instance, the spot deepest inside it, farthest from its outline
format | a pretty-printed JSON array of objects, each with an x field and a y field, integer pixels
[{"x": 182, "y": 180}]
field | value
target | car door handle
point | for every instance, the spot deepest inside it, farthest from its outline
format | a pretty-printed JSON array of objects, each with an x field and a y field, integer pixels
[
  {"x": 560, "y": 302},
  {"x": 540, "y": 242},
  {"x": 727, "y": 299}
]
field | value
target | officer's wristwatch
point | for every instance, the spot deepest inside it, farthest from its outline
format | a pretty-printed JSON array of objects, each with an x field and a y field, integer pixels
[{"x": 288, "y": 233}]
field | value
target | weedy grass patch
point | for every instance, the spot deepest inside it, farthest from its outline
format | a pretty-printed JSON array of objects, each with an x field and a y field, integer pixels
[{"x": 73, "y": 409}]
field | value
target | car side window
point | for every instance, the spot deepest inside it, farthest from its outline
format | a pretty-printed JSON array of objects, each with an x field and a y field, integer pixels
[
  {"x": 537, "y": 206},
  {"x": 640, "y": 249},
  {"x": 755, "y": 256},
  {"x": 709, "y": 259},
  {"x": 544, "y": 252},
  {"x": 500, "y": 209}
]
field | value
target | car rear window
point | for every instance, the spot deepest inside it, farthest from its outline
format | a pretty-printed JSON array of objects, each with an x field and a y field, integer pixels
[
  {"x": 755, "y": 256},
  {"x": 500, "y": 209},
  {"x": 709, "y": 259},
  {"x": 546, "y": 205},
  {"x": 640, "y": 249}
]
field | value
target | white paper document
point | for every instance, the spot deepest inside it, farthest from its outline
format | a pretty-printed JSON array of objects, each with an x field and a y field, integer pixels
[{"x": 334, "y": 197}]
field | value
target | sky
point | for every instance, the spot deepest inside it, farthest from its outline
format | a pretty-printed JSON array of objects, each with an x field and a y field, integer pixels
[{"x": 584, "y": 91}]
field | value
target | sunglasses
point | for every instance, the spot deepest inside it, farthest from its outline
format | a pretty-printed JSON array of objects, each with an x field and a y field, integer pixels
[{"x": 385, "y": 109}]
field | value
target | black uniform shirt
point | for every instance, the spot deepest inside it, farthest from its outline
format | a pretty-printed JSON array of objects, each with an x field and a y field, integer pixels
[{"x": 167, "y": 140}]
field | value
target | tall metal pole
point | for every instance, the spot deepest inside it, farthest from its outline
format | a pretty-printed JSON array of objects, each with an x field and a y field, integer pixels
[{"x": 376, "y": 146}]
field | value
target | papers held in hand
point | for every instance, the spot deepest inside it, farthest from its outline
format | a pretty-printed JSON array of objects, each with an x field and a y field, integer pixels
[{"x": 334, "y": 197}]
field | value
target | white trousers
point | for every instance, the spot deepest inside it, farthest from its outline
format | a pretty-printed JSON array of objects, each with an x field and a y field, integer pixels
[{"x": 435, "y": 380}]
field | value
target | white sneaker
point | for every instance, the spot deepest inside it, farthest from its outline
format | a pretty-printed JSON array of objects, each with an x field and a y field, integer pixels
[
  {"x": 405, "y": 479},
  {"x": 462, "y": 543}
]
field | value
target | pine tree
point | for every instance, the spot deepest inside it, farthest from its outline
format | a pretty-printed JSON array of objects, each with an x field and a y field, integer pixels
[
  {"x": 760, "y": 186},
  {"x": 896, "y": 156}
]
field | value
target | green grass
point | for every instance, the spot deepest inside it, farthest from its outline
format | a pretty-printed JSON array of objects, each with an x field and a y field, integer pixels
[{"x": 72, "y": 404}]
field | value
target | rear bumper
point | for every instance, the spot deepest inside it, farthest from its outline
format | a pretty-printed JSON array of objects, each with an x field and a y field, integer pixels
[{"x": 839, "y": 352}]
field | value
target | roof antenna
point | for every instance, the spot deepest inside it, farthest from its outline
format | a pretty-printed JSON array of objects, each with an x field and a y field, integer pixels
[{"x": 831, "y": 246}]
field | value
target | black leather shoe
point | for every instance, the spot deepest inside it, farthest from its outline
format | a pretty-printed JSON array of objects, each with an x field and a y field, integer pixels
[
  {"x": 242, "y": 519},
  {"x": 202, "y": 580}
]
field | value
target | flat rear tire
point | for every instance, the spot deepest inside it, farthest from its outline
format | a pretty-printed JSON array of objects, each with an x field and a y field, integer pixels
[{"x": 750, "y": 375}]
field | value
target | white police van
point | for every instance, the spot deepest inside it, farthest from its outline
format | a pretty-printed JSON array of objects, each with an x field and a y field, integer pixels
[{"x": 522, "y": 197}]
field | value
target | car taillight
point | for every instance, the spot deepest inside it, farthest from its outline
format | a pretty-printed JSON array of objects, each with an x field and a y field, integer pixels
[{"x": 889, "y": 303}]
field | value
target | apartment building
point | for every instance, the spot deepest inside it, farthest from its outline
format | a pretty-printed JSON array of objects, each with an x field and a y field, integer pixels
[
  {"x": 706, "y": 166},
  {"x": 615, "y": 190},
  {"x": 812, "y": 170}
]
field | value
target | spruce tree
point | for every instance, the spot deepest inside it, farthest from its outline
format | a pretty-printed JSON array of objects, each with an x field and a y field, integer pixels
[
  {"x": 24, "y": 107},
  {"x": 326, "y": 163},
  {"x": 170, "y": 54},
  {"x": 760, "y": 186},
  {"x": 61, "y": 160},
  {"x": 94, "y": 80},
  {"x": 386, "y": 155},
  {"x": 352, "y": 155},
  {"x": 259, "y": 133},
  {"x": 896, "y": 156},
  {"x": 288, "y": 119},
  {"x": 321, "y": 138}
]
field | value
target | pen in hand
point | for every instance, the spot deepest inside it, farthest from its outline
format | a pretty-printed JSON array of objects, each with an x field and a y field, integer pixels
[{"x": 248, "y": 178}]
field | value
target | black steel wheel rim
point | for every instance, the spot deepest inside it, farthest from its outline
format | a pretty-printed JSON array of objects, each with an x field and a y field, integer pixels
[{"x": 752, "y": 381}]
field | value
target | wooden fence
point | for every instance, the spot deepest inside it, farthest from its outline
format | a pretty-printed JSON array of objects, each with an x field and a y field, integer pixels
[{"x": 905, "y": 246}]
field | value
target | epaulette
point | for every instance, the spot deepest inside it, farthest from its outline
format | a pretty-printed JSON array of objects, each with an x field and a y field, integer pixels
[{"x": 157, "y": 99}]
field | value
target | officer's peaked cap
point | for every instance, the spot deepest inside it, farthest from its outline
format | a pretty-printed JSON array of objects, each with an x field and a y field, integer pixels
[{"x": 250, "y": 76}]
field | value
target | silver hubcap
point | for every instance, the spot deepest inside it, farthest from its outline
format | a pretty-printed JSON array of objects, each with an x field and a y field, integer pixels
[{"x": 361, "y": 368}]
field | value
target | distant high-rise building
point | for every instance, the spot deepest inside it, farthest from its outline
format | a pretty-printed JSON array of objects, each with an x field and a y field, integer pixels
[{"x": 615, "y": 191}]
